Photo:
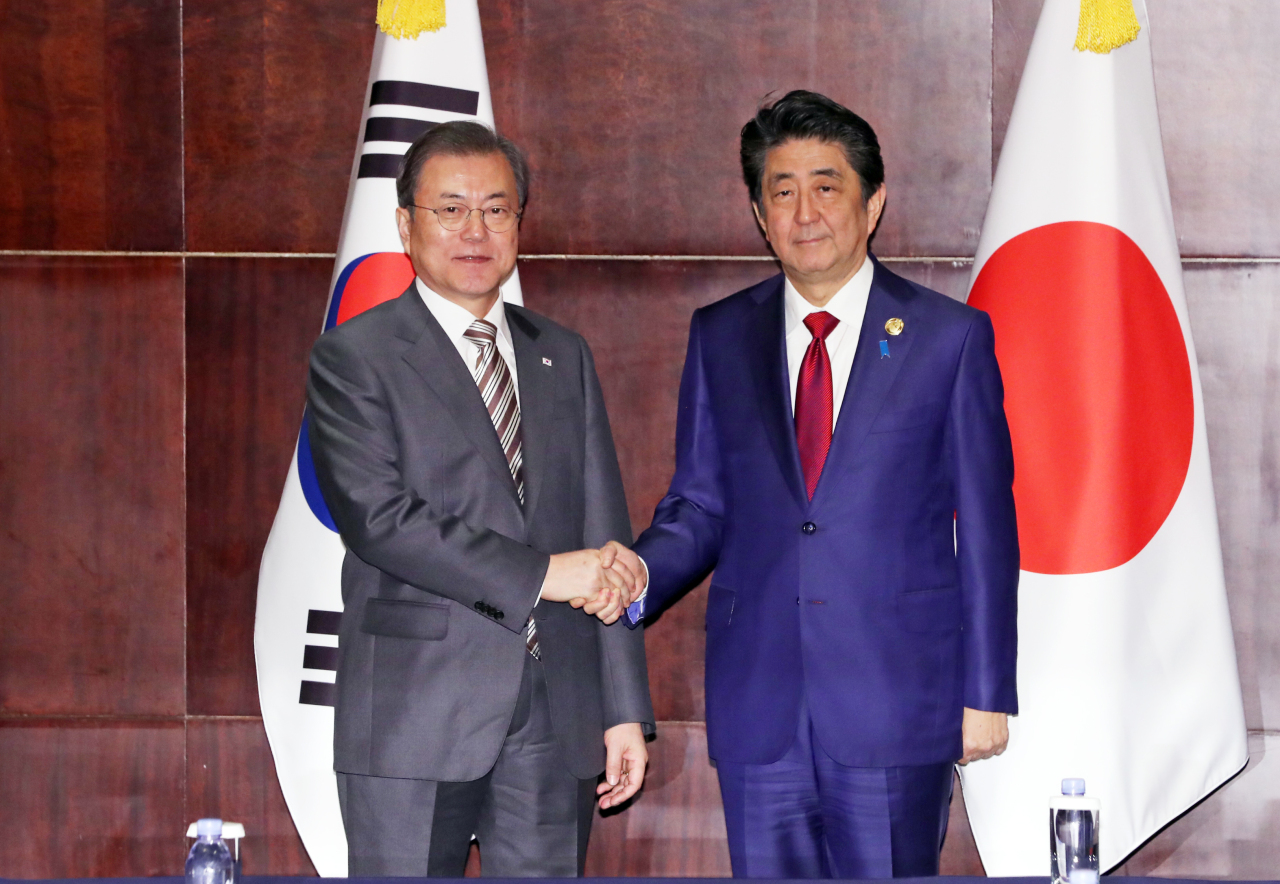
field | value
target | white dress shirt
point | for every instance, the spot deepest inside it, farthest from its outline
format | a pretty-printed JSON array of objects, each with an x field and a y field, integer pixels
[
  {"x": 848, "y": 305},
  {"x": 456, "y": 319}
]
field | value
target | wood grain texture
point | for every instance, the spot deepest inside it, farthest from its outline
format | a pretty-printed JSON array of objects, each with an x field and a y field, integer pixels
[
  {"x": 91, "y": 496},
  {"x": 90, "y": 122},
  {"x": 250, "y": 326},
  {"x": 90, "y": 799},
  {"x": 230, "y": 774},
  {"x": 273, "y": 92},
  {"x": 630, "y": 111}
]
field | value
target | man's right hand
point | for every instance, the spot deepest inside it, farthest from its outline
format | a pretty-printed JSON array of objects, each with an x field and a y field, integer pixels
[{"x": 581, "y": 579}]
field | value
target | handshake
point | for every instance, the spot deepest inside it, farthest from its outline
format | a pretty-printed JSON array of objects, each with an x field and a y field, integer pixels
[{"x": 601, "y": 581}]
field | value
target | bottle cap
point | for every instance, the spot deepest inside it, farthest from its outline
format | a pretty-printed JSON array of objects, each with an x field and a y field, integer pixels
[
  {"x": 1073, "y": 786},
  {"x": 209, "y": 828}
]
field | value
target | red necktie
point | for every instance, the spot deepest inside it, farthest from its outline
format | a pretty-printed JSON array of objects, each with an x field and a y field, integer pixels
[{"x": 814, "y": 400}]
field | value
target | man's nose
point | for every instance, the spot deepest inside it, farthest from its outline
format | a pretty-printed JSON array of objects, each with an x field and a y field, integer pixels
[
  {"x": 806, "y": 209},
  {"x": 474, "y": 230}
]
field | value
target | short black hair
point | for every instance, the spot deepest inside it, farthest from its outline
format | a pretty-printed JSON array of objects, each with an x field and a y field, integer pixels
[
  {"x": 459, "y": 138},
  {"x": 801, "y": 115}
]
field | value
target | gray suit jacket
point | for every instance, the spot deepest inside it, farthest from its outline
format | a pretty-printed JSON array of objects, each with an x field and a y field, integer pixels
[{"x": 444, "y": 565}]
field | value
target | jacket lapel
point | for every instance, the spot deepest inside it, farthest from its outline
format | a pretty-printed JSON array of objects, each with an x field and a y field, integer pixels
[
  {"x": 767, "y": 353},
  {"x": 537, "y": 400},
  {"x": 872, "y": 375},
  {"x": 433, "y": 356}
]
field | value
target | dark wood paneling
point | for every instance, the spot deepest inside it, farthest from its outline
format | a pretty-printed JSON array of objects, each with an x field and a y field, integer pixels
[
  {"x": 1013, "y": 24},
  {"x": 675, "y": 828},
  {"x": 273, "y": 99},
  {"x": 1237, "y": 333},
  {"x": 90, "y": 122},
  {"x": 631, "y": 111},
  {"x": 230, "y": 774},
  {"x": 250, "y": 326},
  {"x": 1216, "y": 74},
  {"x": 91, "y": 483},
  {"x": 87, "y": 800}
]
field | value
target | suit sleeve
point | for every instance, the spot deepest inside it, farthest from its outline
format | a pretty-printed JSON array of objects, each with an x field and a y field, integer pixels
[
  {"x": 385, "y": 522},
  {"x": 986, "y": 525},
  {"x": 624, "y": 676},
  {"x": 683, "y": 542}
]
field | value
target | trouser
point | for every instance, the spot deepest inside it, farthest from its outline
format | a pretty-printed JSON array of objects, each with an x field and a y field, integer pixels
[
  {"x": 529, "y": 813},
  {"x": 808, "y": 816}
]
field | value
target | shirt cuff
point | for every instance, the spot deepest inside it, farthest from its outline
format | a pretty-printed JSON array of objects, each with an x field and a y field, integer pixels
[{"x": 635, "y": 611}]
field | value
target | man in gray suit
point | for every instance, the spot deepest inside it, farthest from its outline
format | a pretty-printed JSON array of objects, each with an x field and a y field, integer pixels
[{"x": 463, "y": 449}]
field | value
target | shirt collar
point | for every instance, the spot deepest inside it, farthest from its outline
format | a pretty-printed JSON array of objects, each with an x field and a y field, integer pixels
[
  {"x": 847, "y": 305},
  {"x": 456, "y": 319}
]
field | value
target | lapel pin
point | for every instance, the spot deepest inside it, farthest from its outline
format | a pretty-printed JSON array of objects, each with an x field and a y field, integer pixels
[
  {"x": 546, "y": 361},
  {"x": 894, "y": 326},
  {"x": 884, "y": 349}
]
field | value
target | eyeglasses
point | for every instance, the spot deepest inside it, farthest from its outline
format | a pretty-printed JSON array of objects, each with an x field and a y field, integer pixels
[{"x": 455, "y": 216}]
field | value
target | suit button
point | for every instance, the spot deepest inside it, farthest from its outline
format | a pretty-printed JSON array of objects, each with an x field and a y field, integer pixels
[
  {"x": 498, "y": 615},
  {"x": 479, "y": 606},
  {"x": 808, "y": 527}
]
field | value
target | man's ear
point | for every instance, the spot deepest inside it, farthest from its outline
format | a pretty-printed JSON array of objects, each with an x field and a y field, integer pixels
[
  {"x": 404, "y": 223},
  {"x": 755, "y": 207},
  {"x": 875, "y": 205}
]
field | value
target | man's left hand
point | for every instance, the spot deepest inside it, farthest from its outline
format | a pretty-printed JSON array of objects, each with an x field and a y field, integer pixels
[
  {"x": 625, "y": 760},
  {"x": 985, "y": 734}
]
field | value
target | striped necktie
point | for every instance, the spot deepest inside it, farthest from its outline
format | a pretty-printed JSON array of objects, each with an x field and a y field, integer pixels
[{"x": 499, "y": 394}]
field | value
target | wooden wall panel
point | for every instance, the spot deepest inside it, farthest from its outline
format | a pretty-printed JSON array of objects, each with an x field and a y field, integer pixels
[
  {"x": 631, "y": 110},
  {"x": 250, "y": 326},
  {"x": 91, "y": 799},
  {"x": 91, "y": 485},
  {"x": 90, "y": 122},
  {"x": 231, "y": 775},
  {"x": 273, "y": 99}
]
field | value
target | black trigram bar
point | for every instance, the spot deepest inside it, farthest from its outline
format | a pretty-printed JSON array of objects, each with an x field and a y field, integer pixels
[
  {"x": 318, "y": 693},
  {"x": 395, "y": 129},
  {"x": 379, "y": 165},
  {"x": 442, "y": 98},
  {"x": 320, "y": 657},
  {"x": 323, "y": 622}
]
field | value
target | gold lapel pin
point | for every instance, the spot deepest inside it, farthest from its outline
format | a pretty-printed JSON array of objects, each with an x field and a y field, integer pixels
[{"x": 894, "y": 326}]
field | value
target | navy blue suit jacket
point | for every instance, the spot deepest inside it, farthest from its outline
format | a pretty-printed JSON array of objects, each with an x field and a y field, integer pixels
[{"x": 897, "y": 606}]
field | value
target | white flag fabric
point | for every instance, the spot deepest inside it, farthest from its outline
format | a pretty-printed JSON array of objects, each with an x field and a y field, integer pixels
[
  {"x": 1126, "y": 662},
  {"x": 434, "y": 78}
]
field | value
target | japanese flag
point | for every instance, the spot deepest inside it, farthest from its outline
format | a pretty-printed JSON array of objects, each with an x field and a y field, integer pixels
[{"x": 1126, "y": 668}]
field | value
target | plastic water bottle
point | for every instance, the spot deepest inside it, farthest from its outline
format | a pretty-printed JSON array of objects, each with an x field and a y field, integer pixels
[
  {"x": 209, "y": 861},
  {"x": 1073, "y": 835}
]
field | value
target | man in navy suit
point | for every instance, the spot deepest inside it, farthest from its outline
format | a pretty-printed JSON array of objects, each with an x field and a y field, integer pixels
[{"x": 843, "y": 463}]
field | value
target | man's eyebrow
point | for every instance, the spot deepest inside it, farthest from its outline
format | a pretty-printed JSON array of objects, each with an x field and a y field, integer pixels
[
  {"x": 780, "y": 176},
  {"x": 827, "y": 173}
]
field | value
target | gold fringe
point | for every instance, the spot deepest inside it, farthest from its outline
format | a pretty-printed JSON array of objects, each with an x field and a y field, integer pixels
[
  {"x": 406, "y": 19},
  {"x": 1106, "y": 25}
]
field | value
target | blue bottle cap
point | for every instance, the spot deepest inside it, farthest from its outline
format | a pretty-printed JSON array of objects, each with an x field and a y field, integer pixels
[
  {"x": 1073, "y": 786},
  {"x": 209, "y": 828}
]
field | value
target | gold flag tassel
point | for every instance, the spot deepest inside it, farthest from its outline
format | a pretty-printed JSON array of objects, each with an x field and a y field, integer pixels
[
  {"x": 406, "y": 19},
  {"x": 1104, "y": 25}
]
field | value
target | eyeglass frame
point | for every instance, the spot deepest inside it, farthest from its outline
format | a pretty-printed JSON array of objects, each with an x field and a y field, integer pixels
[{"x": 467, "y": 220}]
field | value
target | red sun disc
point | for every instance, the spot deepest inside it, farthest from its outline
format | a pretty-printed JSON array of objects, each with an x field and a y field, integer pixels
[{"x": 1098, "y": 393}]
